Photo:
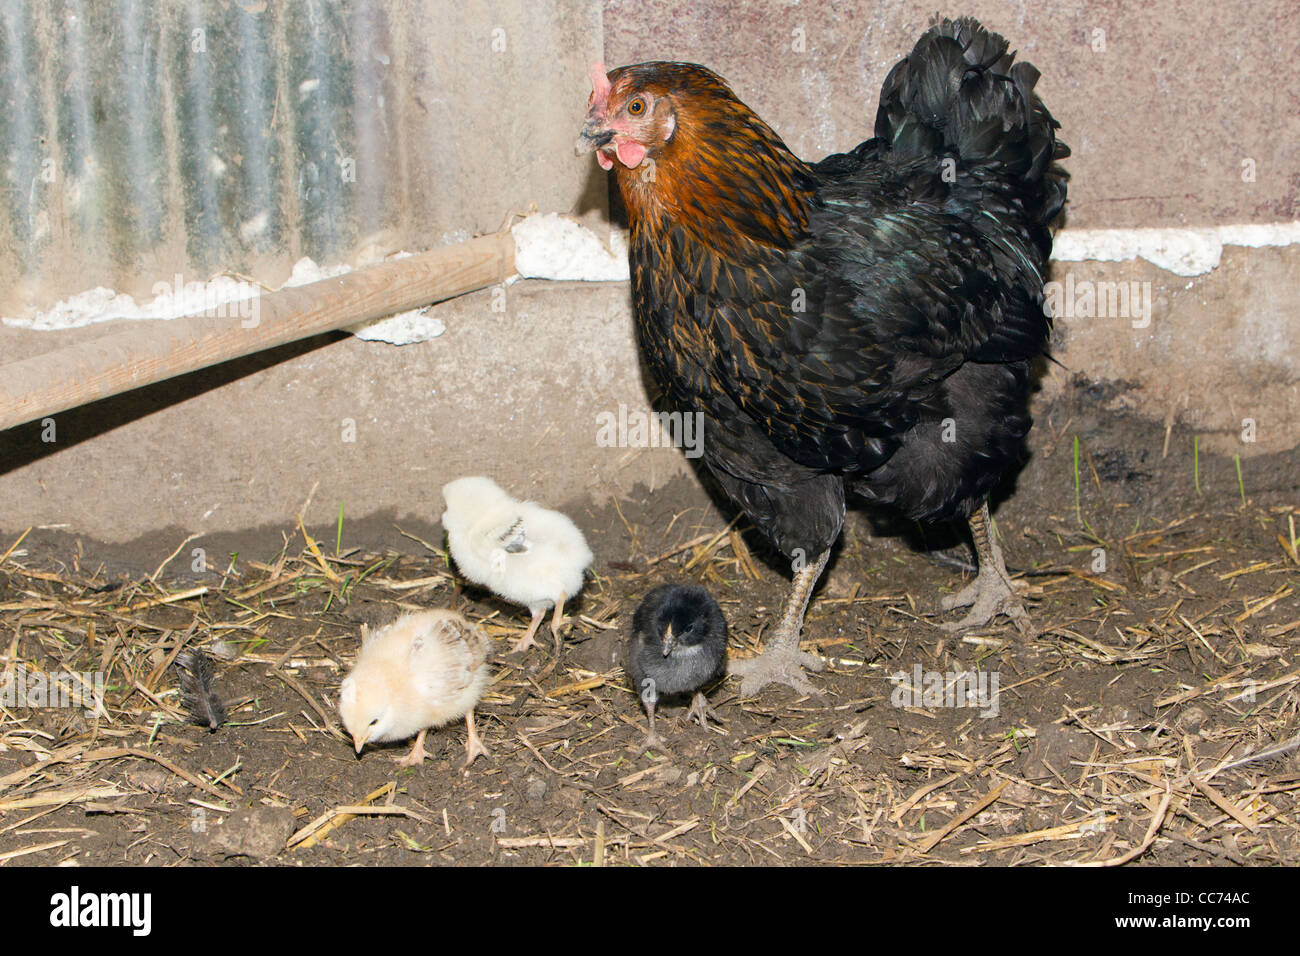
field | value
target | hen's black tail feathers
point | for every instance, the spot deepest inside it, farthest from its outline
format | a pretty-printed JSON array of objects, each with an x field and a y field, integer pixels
[{"x": 959, "y": 93}]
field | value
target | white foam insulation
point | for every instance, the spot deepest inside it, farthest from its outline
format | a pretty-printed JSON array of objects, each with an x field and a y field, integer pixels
[{"x": 549, "y": 246}]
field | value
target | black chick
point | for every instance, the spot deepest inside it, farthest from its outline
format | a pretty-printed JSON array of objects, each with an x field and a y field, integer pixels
[{"x": 678, "y": 645}]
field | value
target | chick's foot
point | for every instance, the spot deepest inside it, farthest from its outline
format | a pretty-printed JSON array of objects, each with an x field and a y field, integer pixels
[
  {"x": 652, "y": 739},
  {"x": 474, "y": 747},
  {"x": 530, "y": 636},
  {"x": 417, "y": 754},
  {"x": 652, "y": 742},
  {"x": 559, "y": 622},
  {"x": 701, "y": 710}
]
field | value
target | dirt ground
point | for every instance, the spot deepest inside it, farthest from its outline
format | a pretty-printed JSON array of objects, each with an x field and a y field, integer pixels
[{"x": 1146, "y": 722}]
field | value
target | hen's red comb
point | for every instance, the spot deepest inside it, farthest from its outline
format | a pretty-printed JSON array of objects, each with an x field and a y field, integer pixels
[{"x": 600, "y": 84}]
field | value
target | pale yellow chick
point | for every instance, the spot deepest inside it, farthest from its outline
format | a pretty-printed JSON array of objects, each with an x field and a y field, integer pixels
[{"x": 423, "y": 670}]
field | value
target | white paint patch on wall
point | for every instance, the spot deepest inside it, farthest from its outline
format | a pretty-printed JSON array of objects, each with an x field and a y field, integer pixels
[{"x": 219, "y": 295}]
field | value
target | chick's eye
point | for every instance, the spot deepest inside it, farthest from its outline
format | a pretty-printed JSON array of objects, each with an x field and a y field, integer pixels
[
  {"x": 636, "y": 107},
  {"x": 375, "y": 721}
]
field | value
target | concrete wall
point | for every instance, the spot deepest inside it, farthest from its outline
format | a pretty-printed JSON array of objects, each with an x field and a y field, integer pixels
[
  {"x": 1160, "y": 121},
  {"x": 1161, "y": 102},
  {"x": 511, "y": 394}
]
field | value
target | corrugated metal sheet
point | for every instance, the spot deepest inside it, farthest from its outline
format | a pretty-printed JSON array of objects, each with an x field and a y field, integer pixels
[
  {"x": 201, "y": 133},
  {"x": 145, "y": 137}
]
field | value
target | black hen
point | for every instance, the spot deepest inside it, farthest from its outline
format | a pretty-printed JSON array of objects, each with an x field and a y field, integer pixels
[
  {"x": 863, "y": 324},
  {"x": 678, "y": 645}
]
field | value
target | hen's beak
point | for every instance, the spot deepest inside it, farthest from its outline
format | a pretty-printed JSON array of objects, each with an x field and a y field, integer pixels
[
  {"x": 593, "y": 136},
  {"x": 670, "y": 640}
]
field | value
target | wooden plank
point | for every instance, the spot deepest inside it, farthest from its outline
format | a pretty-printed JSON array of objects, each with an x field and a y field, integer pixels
[{"x": 68, "y": 377}]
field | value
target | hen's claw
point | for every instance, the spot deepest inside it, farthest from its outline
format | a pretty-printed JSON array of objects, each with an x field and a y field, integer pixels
[
  {"x": 987, "y": 597},
  {"x": 776, "y": 665},
  {"x": 992, "y": 592}
]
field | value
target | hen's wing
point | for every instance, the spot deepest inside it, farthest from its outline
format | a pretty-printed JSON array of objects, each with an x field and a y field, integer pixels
[{"x": 943, "y": 270}]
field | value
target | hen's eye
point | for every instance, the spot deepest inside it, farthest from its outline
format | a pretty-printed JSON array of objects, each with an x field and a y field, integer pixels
[{"x": 636, "y": 107}]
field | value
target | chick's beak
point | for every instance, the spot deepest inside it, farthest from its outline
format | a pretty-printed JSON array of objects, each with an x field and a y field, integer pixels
[
  {"x": 670, "y": 639},
  {"x": 359, "y": 741}
]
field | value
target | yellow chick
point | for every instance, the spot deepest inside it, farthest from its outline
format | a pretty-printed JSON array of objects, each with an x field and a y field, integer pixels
[
  {"x": 423, "y": 670},
  {"x": 525, "y": 553}
]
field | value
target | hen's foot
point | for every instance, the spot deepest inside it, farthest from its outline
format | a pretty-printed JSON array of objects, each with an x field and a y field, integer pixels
[
  {"x": 779, "y": 664},
  {"x": 992, "y": 592},
  {"x": 987, "y": 596},
  {"x": 783, "y": 662}
]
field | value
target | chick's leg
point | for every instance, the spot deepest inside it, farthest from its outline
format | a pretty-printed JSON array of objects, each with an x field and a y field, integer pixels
[
  {"x": 530, "y": 636},
  {"x": 557, "y": 621},
  {"x": 652, "y": 739},
  {"x": 991, "y": 593},
  {"x": 417, "y": 754},
  {"x": 783, "y": 662},
  {"x": 473, "y": 746}
]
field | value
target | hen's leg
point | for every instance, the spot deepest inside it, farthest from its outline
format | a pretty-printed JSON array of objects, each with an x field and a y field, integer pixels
[
  {"x": 991, "y": 593},
  {"x": 473, "y": 746},
  {"x": 783, "y": 662},
  {"x": 417, "y": 754},
  {"x": 530, "y": 636}
]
